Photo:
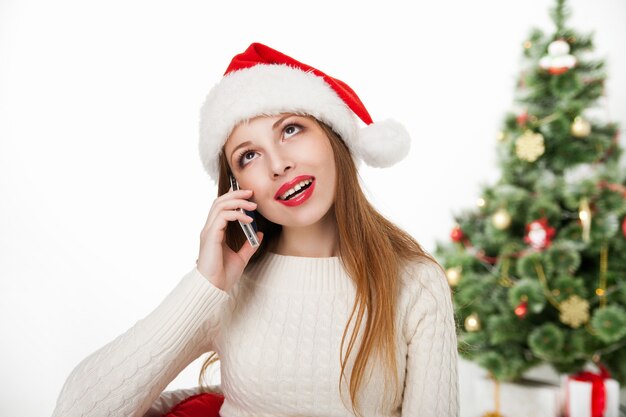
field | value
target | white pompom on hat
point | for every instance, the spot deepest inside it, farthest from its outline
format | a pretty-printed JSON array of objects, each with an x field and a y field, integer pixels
[{"x": 263, "y": 81}]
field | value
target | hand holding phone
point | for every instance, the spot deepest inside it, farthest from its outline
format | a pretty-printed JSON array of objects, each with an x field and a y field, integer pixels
[
  {"x": 249, "y": 229},
  {"x": 217, "y": 261}
]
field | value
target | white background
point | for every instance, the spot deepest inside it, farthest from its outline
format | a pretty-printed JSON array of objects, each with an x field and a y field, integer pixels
[{"x": 102, "y": 194}]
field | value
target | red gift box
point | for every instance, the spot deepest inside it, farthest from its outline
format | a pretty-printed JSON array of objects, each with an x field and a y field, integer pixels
[{"x": 591, "y": 394}]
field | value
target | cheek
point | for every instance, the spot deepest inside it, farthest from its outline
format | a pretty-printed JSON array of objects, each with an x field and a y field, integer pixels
[
  {"x": 329, "y": 162},
  {"x": 316, "y": 151},
  {"x": 262, "y": 190}
]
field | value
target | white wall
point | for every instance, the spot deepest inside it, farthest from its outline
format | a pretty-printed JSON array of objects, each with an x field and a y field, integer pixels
[{"x": 102, "y": 195}]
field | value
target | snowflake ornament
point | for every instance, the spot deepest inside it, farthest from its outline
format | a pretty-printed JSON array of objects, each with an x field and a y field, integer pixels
[
  {"x": 574, "y": 311},
  {"x": 529, "y": 146}
]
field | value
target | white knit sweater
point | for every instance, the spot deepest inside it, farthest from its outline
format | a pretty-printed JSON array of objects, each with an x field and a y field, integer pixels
[{"x": 278, "y": 336}]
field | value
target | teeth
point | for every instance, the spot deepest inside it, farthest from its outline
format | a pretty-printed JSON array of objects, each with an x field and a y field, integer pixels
[{"x": 297, "y": 187}]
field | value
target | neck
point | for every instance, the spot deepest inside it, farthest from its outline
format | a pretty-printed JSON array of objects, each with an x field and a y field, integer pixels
[{"x": 319, "y": 240}]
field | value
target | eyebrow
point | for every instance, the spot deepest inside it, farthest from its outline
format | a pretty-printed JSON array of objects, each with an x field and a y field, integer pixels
[
  {"x": 279, "y": 121},
  {"x": 247, "y": 143},
  {"x": 241, "y": 145}
]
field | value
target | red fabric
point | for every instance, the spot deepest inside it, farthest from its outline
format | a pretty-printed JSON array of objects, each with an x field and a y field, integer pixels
[
  {"x": 598, "y": 391},
  {"x": 257, "y": 53},
  {"x": 200, "y": 405}
]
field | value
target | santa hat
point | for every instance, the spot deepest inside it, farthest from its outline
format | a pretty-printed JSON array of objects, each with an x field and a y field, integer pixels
[{"x": 263, "y": 81}]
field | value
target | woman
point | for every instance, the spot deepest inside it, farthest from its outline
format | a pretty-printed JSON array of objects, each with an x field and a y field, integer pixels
[{"x": 336, "y": 313}]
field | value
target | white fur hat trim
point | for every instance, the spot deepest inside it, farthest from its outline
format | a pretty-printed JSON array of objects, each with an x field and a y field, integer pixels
[{"x": 268, "y": 89}]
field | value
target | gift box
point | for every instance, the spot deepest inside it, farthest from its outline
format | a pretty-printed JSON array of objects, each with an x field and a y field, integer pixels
[
  {"x": 522, "y": 398},
  {"x": 590, "y": 394}
]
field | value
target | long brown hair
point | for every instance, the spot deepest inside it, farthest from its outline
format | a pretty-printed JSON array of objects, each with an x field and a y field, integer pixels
[{"x": 372, "y": 250}]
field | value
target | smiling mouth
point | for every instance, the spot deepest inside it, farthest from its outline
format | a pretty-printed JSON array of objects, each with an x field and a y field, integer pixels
[{"x": 296, "y": 190}]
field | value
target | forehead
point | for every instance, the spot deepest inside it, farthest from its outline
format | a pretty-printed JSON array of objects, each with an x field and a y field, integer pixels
[
  {"x": 257, "y": 122},
  {"x": 242, "y": 131}
]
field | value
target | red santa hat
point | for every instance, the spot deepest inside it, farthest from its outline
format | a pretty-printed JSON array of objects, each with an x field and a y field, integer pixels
[{"x": 263, "y": 81}]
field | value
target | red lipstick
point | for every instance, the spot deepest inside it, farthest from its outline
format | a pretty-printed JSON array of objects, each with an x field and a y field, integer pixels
[{"x": 300, "y": 197}]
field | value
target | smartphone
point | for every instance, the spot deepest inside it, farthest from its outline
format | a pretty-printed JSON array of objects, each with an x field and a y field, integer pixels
[{"x": 249, "y": 229}]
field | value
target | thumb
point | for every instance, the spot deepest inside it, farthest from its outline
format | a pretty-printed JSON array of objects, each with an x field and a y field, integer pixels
[{"x": 247, "y": 250}]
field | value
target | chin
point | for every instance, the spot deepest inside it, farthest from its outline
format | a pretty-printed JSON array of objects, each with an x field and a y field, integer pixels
[{"x": 305, "y": 217}]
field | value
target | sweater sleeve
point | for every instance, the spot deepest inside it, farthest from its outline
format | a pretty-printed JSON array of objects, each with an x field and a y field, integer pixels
[
  {"x": 124, "y": 377},
  {"x": 431, "y": 382}
]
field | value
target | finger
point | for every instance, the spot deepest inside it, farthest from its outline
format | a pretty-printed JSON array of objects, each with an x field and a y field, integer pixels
[
  {"x": 247, "y": 250},
  {"x": 222, "y": 219},
  {"x": 237, "y": 194},
  {"x": 227, "y": 204},
  {"x": 236, "y": 204},
  {"x": 217, "y": 227}
]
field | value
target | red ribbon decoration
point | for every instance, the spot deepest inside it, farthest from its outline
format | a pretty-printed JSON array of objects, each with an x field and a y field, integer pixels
[{"x": 598, "y": 390}]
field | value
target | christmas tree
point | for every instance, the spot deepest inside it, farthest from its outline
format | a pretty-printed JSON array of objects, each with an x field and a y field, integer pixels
[{"x": 538, "y": 268}]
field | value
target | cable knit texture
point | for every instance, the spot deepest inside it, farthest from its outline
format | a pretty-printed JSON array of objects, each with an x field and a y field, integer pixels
[{"x": 278, "y": 335}]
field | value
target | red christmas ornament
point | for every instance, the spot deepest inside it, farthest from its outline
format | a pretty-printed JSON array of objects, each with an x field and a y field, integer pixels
[
  {"x": 624, "y": 227},
  {"x": 539, "y": 234},
  {"x": 522, "y": 119},
  {"x": 521, "y": 309},
  {"x": 457, "y": 234}
]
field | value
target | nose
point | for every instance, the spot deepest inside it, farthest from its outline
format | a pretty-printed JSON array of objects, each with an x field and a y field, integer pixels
[{"x": 281, "y": 164}]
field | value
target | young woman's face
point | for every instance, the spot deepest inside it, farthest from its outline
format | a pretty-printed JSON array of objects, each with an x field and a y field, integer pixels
[{"x": 288, "y": 162}]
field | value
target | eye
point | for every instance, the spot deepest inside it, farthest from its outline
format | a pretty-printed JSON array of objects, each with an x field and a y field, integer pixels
[
  {"x": 291, "y": 129},
  {"x": 245, "y": 157}
]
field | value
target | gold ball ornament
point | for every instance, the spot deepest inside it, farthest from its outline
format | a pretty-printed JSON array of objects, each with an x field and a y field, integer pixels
[
  {"x": 454, "y": 275},
  {"x": 472, "y": 323},
  {"x": 501, "y": 219},
  {"x": 580, "y": 127},
  {"x": 480, "y": 202},
  {"x": 574, "y": 311},
  {"x": 530, "y": 146}
]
